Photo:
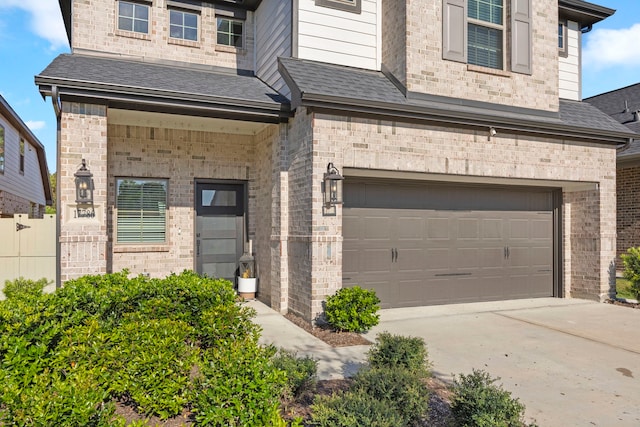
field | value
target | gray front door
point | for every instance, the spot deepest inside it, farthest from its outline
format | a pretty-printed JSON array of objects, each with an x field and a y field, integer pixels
[{"x": 219, "y": 228}]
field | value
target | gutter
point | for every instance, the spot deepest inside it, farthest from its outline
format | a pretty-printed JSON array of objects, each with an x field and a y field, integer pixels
[
  {"x": 161, "y": 99},
  {"x": 404, "y": 112}
]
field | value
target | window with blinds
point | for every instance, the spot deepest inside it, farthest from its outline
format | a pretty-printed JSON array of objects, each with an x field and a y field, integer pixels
[{"x": 141, "y": 206}]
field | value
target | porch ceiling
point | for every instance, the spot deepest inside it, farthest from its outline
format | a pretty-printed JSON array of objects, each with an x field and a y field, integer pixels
[{"x": 175, "y": 121}]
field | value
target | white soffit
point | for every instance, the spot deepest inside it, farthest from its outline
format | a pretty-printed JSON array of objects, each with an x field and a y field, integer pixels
[{"x": 174, "y": 121}]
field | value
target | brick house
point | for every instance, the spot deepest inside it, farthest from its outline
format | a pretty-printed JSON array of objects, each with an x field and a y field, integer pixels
[
  {"x": 472, "y": 169},
  {"x": 623, "y": 105},
  {"x": 24, "y": 176}
]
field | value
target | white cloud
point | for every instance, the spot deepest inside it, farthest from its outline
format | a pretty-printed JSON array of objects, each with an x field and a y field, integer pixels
[
  {"x": 45, "y": 19},
  {"x": 35, "y": 125},
  {"x": 612, "y": 48}
]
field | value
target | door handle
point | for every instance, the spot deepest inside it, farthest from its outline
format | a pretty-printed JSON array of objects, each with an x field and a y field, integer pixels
[
  {"x": 198, "y": 247},
  {"x": 394, "y": 254},
  {"x": 508, "y": 252}
]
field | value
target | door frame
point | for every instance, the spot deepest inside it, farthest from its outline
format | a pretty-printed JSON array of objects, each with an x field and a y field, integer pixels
[{"x": 242, "y": 201}]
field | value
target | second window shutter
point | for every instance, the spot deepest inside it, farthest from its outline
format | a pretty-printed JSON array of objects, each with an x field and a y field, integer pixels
[
  {"x": 521, "y": 36},
  {"x": 454, "y": 30}
]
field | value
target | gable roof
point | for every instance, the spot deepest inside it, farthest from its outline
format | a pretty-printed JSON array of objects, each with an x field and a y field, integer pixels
[
  {"x": 12, "y": 117},
  {"x": 163, "y": 87},
  {"x": 357, "y": 91}
]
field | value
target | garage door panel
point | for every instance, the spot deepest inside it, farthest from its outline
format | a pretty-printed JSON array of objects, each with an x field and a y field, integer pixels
[
  {"x": 519, "y": 229},
  {"x": 491, "y": 229},
  {"x": 410, "y": 260},
  {"x": 468, "y": 258},
  {"x": 454, "y": 244},
  {"x": 438, "y": 228},
  {"x": 376, "y": 228},
  {"x": 410, "y": 228},
  {"x": 468, "y": 228},
  {"x": 542, "y": 227}
]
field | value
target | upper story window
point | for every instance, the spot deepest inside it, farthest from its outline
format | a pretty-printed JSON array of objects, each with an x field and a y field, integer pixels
[
  {"x": 22, "y": 156},
  {"x": 485, "y": 33},
  {"x": 133, "y": 17},
  {"x": 1, "y": 150},
  {"x": 230, "y": 32},
  {"x": 183, "y": 25},
  {"x": 475, "y": 32},
  {"x": 347, "y": 5},
  {"x": 562, "y": 39}
]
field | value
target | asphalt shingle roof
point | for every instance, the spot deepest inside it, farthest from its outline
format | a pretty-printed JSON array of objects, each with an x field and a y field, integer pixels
[
  {"x": 323, "y": 79},
  {"x": 137, "y": 75},
  {"x": 620, "y": 104},
  {"x": 336, "y": 80}
]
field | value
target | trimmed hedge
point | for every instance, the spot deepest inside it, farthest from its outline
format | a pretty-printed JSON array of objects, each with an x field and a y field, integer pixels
[{"x": 160, "y": 345}]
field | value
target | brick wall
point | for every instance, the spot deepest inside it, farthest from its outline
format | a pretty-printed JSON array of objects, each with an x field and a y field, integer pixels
[
  {"x": 628, "y": 202},
  {"x": 394, "y": 38},
  {"x": 428, "y": 73},
  {"x": 589, "y": 216},
  {"x": 182, "y": 156},
  {"x": 95, "y": 30},
  {"x": 82, "y": 240},
  {"x": 11, "y": 204}
]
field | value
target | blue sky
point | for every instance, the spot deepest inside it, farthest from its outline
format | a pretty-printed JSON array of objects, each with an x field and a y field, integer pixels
[{"x": 32, "y": 34}]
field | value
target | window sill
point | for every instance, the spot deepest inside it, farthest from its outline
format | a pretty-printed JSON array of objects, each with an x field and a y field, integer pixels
[
  {"x": 133, "y": 35},
  {"x": 187, "y": 43},
  {"x": 230, "y": 49},
  {"x": 120, "y": 248},
  {"x": 487, "y": 70}
]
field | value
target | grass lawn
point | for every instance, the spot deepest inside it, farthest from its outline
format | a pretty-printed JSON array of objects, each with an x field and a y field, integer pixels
[{"x": 622, "y": 289}]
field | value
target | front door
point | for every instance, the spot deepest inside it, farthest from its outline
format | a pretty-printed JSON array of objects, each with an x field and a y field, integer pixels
[{"x": 219, "y": 228}]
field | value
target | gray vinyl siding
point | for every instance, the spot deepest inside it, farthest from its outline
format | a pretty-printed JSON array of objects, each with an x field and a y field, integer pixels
[
  {"x": 569, "y": 66},
  {"x": 28, "y": 185},
  {"x": 273, "y": 40}
]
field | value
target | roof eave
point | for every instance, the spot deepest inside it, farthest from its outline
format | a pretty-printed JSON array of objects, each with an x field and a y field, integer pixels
[
  {"x": 447, "y": 117},
  {"x": 583, "y": 12},
  {"x": 155, "y": 100}
]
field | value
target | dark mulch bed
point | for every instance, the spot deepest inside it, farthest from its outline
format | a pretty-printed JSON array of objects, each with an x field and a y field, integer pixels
[
  {"x": 623, "y": 303},
  {"x": 327, "y": 334}
]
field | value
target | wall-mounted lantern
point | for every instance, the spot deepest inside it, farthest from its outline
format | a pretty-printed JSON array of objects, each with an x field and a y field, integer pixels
[
  {"x": 84, "y": 185},
  {"x": 332, "y": 189}
]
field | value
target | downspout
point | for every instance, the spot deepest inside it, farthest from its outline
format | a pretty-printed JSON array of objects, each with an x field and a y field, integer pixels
[
  {"x": 586, "y": 29},
  {"x": 57, "y": 108},
  {"x": 625, "y": 146}
]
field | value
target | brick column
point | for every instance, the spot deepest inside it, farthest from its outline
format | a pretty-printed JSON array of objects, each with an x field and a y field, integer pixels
[{"x": 83, "y": 241}]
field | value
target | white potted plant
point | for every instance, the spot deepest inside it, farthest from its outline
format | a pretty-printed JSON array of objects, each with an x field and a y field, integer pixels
[{"x": 247, "y": 281}]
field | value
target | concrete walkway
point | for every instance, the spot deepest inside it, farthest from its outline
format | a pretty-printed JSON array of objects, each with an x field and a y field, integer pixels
[
  {"x": 333, "y": 363},
  {"x": 571, "y": 362}
]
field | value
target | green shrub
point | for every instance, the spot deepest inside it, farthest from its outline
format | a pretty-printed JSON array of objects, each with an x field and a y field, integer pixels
[
  {"x": 391, "y": 351},
  {"x": 354, "y": 409},
  {"x": 477, "y": 402},
  {"x": 154, "y": 343},
  {"x": 353, "y": 309},
  {"x": 401, "y": 389},
  {"x": 631, "y": 262},
  {"x": 300, "y": 372},
  {"x": 239, "y": 386},
  {"x": 22, "y": 287}
]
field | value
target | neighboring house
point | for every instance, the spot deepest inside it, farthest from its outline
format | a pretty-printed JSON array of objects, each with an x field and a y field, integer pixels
[
  {"x": 472, "y": 170},
  {"x": 624, "y": 106},
  {"x": 24, "y": 177}
]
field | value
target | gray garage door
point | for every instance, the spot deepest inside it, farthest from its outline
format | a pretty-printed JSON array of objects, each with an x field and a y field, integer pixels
[{"x": 435, "y": 243}]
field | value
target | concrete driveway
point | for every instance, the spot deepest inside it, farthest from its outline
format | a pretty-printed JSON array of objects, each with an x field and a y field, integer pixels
[{"x": 571, "y": 362}]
